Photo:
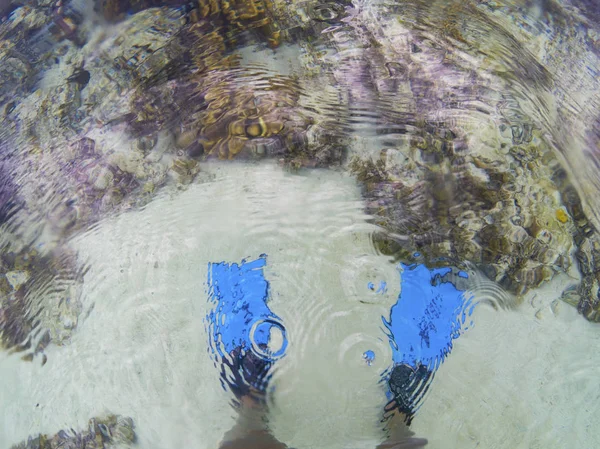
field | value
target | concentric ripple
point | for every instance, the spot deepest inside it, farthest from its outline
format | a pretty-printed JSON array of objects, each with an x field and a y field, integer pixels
[
  {"x": 370, "y": 279},
  {"x": 431, "y": 312},
  {"x": 454, "y": 102},
  {"x": 245, "y": 336}
]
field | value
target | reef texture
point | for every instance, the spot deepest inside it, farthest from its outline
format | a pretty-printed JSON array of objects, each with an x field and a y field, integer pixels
[
  {"x": 39, "y": 301},
  {"x": 505, "y": 217},
  {"x": 456, "y": 165},
  {"x": 423, "y": 101},
  {"x": 112, "y": 431},
  {"x": 232, "y": 17}
]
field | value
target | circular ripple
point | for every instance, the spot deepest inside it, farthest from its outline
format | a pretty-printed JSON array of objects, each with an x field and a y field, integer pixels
[
  {"x": 485, "y": 291},
  {"x": 370, "y": 279},
  {"x": 268, "y": 339},
  {"x": 364, "y": 350}
]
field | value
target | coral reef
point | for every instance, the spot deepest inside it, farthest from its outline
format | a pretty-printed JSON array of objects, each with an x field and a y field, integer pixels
[
  {"x": 103, "y": 433},
  {"x": 218, "y": 116},
  {"x": 502, "y": 215},
  {"x": 39, "y": 300},
  {"x": 432, "y": 123},
  {"x": 235, "y": 16}
]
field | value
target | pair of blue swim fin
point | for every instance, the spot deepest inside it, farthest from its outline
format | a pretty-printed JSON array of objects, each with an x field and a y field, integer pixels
[{"x": 246, "y": 338}]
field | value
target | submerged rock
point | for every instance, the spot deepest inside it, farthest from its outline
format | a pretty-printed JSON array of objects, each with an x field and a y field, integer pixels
[
  {"x": 235, "y": 16},
  {"x": 217, "y": 116},
  {"x": 500, "y": 215},
  {"x": 39, "y": 300},
  {"x": 456, "y": 166},
  {"x": 429, "y": 118},
  {"x": 113, "y": 431}
]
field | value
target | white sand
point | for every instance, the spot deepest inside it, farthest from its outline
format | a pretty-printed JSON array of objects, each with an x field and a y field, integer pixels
[{"x": 513, "y": 381}]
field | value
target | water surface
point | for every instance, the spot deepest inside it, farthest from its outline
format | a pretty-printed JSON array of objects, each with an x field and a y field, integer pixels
[{"x": 411, "y": 184}]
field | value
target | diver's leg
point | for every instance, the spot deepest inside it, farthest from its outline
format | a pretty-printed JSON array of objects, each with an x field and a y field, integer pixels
[
  {"x": 400, "y": 437},
  {"x": 250, "y": 439},
  {"x": 250, "y": 431},
  {"x": 406, "y": 384},
  {"x": 240, "y": 326},
  {"x": 249, "y": 386},
  {"x": 404, "y": 443}
]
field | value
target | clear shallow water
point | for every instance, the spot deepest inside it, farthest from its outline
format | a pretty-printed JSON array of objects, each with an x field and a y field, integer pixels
[
  {"x": 446, "y": 122},
  {"x": 149, "y": 332},
  {"x": 513, "y": 380}
]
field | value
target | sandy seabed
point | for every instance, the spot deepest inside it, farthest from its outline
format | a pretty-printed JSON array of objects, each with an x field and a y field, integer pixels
[{"x": 521, "y": 378}]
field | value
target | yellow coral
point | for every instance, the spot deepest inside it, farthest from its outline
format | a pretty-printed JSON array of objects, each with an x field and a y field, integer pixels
[{"x": 561, "y": 215}]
